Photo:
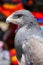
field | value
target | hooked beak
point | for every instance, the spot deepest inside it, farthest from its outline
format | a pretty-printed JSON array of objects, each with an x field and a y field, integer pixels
[{"x": 10, "y": 19}]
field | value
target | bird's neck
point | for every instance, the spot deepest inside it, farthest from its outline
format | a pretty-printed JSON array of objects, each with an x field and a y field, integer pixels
[{"x": 29, "y": 26}]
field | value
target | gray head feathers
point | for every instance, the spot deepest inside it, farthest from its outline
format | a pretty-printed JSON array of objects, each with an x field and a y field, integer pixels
[{"x": 21, "y": 18}]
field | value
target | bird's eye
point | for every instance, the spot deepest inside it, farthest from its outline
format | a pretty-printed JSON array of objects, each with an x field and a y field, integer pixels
[{"x": 17, "y": 16}]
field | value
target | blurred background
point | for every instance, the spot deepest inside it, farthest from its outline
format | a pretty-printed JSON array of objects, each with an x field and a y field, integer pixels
[{"x": 7, "y": 32}]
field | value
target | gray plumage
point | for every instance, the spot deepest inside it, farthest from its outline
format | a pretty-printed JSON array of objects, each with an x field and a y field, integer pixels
[{"x": 29, "y": 38}]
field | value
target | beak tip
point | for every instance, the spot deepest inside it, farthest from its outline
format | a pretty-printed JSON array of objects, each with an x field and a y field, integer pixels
[{"x": 7, "y": 20}]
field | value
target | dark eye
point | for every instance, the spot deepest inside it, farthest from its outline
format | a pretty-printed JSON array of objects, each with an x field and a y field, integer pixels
[{"x": 17, "y": 16}]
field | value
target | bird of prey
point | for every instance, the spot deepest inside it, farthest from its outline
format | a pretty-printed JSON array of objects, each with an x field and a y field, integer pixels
[{"x": 29, "y": 37}]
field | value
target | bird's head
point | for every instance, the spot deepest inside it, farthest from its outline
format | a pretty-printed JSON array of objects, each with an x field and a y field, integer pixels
[{"x": 21, "y": 18}]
